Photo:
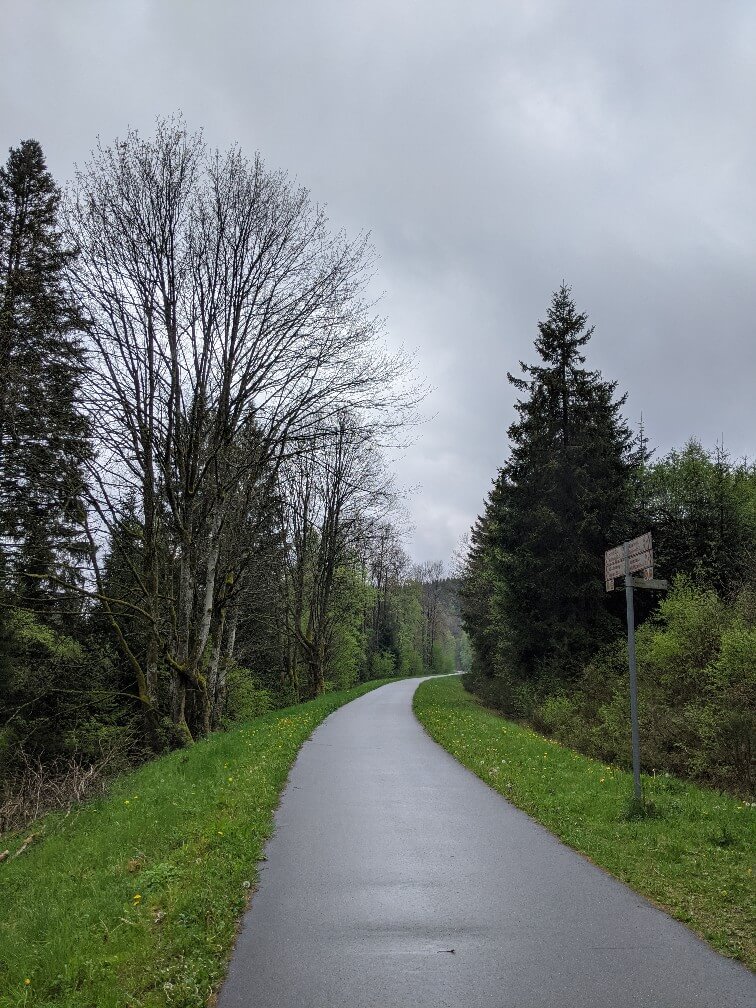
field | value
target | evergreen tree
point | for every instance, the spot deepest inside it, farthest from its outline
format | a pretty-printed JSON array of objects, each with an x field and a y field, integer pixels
[
  {"x": 558, "y": 503},
  {"x": 481, "y": 588},
  {"x": 43, "y": 434}
]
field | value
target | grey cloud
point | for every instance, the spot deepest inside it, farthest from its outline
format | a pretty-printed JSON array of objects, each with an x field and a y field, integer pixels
[{"x": 492, "y": 149}]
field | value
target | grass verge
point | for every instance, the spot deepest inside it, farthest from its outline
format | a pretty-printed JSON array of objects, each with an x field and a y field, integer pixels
[
  {"x": 692, "y": 856},
  {"x": 133, "y": 899}
]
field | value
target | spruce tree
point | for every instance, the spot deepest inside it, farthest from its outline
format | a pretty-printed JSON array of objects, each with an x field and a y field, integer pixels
[
  {"x": 481, "y": 587},
  {"x": 559, "y": 502},
  {"x": 43, "y": 433}
]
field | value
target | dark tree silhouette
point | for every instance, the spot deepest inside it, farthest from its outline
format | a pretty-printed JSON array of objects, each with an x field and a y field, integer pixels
[{"x": 43, "y": 432}]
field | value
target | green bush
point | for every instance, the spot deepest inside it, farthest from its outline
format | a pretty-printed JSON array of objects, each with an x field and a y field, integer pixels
[
  {"x": 58, "y": 697},
  {"x": 383, "y": 665},
  {"x": 513, "y": 697},
  {"x": 442, "y": 659},
  {"x": 410, "y": 663},
  {"x": 245, "y": 696},
  {"x": 696, "y": 661},
  {"x": 554, "y": 715},
  {"x": 697, "y": 690}
]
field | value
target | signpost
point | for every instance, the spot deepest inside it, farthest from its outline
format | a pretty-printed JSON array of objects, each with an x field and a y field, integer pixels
[{"x": 628, "y": 559}]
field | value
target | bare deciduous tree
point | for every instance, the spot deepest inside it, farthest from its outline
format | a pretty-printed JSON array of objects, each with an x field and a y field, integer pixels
[
  {"x": 334, "y": 494},
  {"x": 227, "y": 327}
]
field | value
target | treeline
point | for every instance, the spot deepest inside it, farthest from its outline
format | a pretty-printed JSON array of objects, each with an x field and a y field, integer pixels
[
  {"x": 549, "y": 640},
  {"x": 196, "y": 516}
]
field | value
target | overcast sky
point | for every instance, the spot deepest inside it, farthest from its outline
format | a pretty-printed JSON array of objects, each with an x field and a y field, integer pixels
[{"x": 493, "y": 148}]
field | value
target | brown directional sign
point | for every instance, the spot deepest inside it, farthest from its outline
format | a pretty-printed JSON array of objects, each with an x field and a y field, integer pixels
[
  {"x": 650, "y": 584},
  {"x": 640, "y": 555}
]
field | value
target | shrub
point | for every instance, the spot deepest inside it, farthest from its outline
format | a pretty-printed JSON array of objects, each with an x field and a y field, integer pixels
[
  {"x": 410, "y": 663},
  {"x": 697, "y": 690},
  {"x": 58, "y": 698},
  {"x": 245, "y": 696},
  {"x": 696, "y": 661},
  {"x": 442, "y": 659},
  {"x": 514, "y": 698},
  {"x": 37, "y": 788},
  {"x": 383, "y": 665},
  {"x": 554, "y": 715}
]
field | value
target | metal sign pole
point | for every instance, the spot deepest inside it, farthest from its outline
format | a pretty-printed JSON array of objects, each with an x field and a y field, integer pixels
[{"x": 633, "y": 679}]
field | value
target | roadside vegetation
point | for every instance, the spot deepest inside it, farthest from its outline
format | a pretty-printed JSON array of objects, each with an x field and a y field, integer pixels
[
  {"x": 691, "y": 854},
  {"x": 133, "y": 899},
  {"x": 696, "y": 656},
  {"x": 67, "y": 729},
  {"x": 549, "y": 641},
  {"x": 198, "y": 517}
]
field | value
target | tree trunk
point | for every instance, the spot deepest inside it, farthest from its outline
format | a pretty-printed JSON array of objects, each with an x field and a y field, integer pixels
[{"x": 212, "y": 709}]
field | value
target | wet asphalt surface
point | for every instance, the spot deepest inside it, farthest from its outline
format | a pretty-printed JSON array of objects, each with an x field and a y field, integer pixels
[{"x": 388, "y": 854}]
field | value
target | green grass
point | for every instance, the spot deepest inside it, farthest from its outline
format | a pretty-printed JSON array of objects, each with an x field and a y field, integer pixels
[
  {"x": 693, "y": 857},
  {"x": 133, "y": 900}
]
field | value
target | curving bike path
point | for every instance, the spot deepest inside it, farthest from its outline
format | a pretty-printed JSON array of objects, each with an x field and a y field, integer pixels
[{"x": 388, "y": 855}]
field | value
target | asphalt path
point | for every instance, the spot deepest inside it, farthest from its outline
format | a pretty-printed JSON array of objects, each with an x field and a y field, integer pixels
[{"x": 396, "y": 878}]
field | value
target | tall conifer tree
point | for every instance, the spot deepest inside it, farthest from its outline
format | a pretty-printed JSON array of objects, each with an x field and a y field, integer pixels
[
  {"x": 558, "y": 503},
  {"x": 43, "y": 433}
]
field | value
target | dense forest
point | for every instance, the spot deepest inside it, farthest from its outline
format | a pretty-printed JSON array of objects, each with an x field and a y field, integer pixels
[
  {"x": 548, "y": 639},
  {"x": 197, "y": 518}
]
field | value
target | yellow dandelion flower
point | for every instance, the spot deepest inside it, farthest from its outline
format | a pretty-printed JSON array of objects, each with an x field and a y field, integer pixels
[{"x": 27, "y": 981}]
